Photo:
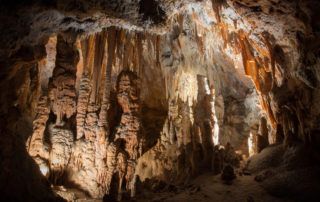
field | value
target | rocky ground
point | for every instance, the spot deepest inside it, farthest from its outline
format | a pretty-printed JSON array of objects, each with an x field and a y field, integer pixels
[
  {"x": 209, "y": 187},
  {"x": 275, "y": 174},
  {"x": 205, "y": 188}
]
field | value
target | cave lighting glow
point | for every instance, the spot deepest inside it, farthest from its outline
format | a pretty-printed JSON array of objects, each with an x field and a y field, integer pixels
[{"x": 251, "y": 144}]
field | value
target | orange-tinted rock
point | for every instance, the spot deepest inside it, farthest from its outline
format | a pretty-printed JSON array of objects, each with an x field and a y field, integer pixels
[
  {"x": 129, "y": 131},
  {"x": 62, "y": 91},
  {"x": 36, "y": 147}
]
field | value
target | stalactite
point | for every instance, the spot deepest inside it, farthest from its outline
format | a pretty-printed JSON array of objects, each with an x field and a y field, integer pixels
[
  {"x": 224, "y": 33},
  {"x": 121, "y": 49},
  {"x": 263, "y": 83},
  {"x": 199, "y": 40},
  {"x": 139, "y": 52},
  {"x": 249, "y": 62},
  {"x": 127, "y": 48},
  {"x": 103, "y": 123},
  {"x": 134, "y": 60},
  {"x": 180, "y": 19},
  {"x": 266, "y": 39},
  {"x": 265, "y": 79},
  {"x": 62, "y": 94},
  {"x": 92, "y": 98},
  {"x": 80, "y": 66},
  {"x": 100, "y": 40},
  {"x": 88, "y": 50},
  {"x": 98, "y": 60},
  {"x": 62, "y": 86},
  {"x": 47, "y": 65},
  {"x": 267, "y": 108},
  {"x": 216, "y": 6}
]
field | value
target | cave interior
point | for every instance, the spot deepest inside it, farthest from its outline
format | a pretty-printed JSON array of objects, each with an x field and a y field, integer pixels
[{"x": 160, "y": 100}]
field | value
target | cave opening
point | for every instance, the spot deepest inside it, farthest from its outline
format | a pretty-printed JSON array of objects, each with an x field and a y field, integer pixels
[{"x": 198, "y": 100}]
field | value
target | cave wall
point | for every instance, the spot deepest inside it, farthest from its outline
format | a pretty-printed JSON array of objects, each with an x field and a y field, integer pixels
[
  {"x": 100, "y": 122},
  {"x": 194, "y": 79}
]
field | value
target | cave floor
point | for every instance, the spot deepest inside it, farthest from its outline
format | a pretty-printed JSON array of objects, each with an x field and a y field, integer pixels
[{"x": 209, "y": 187}]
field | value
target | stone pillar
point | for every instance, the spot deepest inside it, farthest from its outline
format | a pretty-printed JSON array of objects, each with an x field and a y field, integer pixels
[
  {"x": 128, "y": 132},
  {"x": 62, "y": 90}
]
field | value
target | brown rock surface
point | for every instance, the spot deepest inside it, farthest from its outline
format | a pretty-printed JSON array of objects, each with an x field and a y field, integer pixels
[{"x": 103, "y": 93}]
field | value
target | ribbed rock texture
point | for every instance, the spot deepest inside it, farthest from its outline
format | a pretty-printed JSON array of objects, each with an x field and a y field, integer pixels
[{"x": 105, "y": 94}]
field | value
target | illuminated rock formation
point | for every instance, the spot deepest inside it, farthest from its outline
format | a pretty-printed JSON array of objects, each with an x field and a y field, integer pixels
[
  {"x": 105, "y": 96},
  {"x": 60, "y": 153},
  {"x": 62, "y": 87},
  {"x": 263, "y": 136},
  {"x": 128, "y": 133},
  {"x": 36, "y": 147}
]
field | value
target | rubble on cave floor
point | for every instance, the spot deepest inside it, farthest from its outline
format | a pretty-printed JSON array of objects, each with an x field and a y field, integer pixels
[
  {"x": 276, "y": 174},
  {"x": 265, "y": 177},
  {"x": 210, "y": 187},
  {"x": 206, "y": 187}
]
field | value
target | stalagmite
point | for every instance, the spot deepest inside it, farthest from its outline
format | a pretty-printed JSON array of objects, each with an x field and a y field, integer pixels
[
  {"x": 36, "y": 147},
  {"x": 217, "y": 160},
  {"x": 82, "y": 105},
  {"x": 262, "y": 137},
  {"x": 263, "y": 129},
  {"x": 111, "y": 165},
  {"x": 129, "y": 129},
  {"x": 60, "y": 153},
  {"x": 252, "y": 144}
]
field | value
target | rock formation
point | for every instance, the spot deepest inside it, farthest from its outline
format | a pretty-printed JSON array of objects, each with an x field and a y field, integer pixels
[
  {"x": 263, "y": 136},
  {"x": 62, "y": 92},
  {"x": 100, "y": 95}
]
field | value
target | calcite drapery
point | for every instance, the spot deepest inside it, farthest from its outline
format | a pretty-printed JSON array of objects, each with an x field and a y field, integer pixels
[
  {"x": 103, "y": 123},
  {"x": 60, "y": 153},
  {"x": 62, "y": 92},
  {"x": 82, "y": 105},
  {"x": 36, "y": 147},
  {"x": 128, "y": 133}
]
